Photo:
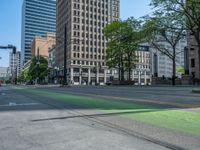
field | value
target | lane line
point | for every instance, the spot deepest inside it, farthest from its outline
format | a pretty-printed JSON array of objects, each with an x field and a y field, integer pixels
[{"x": 23, "y": 104}]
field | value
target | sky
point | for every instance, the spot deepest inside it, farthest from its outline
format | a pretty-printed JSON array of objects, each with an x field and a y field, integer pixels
[{"x": 10, "y": 21}]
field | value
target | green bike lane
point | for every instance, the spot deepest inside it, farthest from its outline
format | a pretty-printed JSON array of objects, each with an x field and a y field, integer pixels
[{"x": 170, "y": 118}]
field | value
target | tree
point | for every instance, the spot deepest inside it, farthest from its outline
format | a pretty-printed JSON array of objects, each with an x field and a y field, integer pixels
[
  {"x": 165, "y": 27},
  {"x": 188, "y": 10},
  {"x": 123, "y": 38},
  {"x": 38, "y": 69},
  {"x": 181, "y": 70}
]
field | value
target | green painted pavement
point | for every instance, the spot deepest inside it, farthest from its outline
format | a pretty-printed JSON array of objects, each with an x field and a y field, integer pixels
[{"x": 178, "y": 120}]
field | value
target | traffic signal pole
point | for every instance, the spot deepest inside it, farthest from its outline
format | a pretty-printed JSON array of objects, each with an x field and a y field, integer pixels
[{"x": 65, "y": 55}]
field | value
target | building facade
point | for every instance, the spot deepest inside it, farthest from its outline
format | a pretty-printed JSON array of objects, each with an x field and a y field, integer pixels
[
  {"x": 86, "y": 45},
  {"x": 42, "y": 45},
  {"x": 38, "y": 18},
  {"x": 5, "y": 74},
  {"x": 194, "y": 64},
  {"x": 141, "y": 73},
  {"x": 162, "y": 64},
  {"x": 15, "y": 64}
]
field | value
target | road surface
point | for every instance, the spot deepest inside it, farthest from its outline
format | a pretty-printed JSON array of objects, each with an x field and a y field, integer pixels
[{"x": 99, "y": 118}]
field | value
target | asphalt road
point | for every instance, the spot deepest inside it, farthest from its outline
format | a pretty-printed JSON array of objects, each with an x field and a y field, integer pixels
[{"x": 39, "y": 122}]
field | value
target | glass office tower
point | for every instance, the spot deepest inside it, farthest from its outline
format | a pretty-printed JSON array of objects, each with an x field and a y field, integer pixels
[{"x": 38, "y": 18}]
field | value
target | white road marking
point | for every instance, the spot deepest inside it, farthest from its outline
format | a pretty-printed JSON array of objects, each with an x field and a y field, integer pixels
[{"x": 14, "y": 104}]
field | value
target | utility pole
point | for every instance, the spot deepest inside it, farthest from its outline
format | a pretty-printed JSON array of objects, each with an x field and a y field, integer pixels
[
  {"x": 65, "y": 55},
  {"x": 16, "y": 75},
  {"x": 38, "y": 63}
]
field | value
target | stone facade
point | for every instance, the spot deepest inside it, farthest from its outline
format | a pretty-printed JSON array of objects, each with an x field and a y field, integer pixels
[
  {"x": 44, "y": 44},
  {"x": 194, "y": 63},
  {"x": 86, "y": 44}
]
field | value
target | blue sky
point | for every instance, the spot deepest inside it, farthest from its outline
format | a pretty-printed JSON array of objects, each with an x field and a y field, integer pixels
[{"x": 10, "y": 25}]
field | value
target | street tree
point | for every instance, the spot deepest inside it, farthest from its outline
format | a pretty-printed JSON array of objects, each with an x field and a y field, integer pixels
[
  {"x": 165, "y": 27},
  {"x": 189, "y": 12},
  {"x": 123, "y": 39},
  {"x": 38, "y": 68}
]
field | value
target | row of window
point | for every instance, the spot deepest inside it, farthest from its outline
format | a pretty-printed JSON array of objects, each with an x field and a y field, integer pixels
[
  {"x": 77, "y": 55},
  {"x": 92, "y": 36},
  {"x": 77, "y": 48},
  {"x": 91, "y": 49},
  {"x": 89, "y": 63},
  {"x": 91, "y": 16}
]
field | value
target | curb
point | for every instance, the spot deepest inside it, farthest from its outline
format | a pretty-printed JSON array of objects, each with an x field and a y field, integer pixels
[{"x": 197, "y": 91}]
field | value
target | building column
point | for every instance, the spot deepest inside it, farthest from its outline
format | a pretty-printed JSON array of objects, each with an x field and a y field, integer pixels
[
  {"x": 80, "y": 76},
  {"x": 133, "y": 75},
  {"x": 97, "y": 75},
  {"x": 71, "y": 75},
  {"x": 105, "y": 76},
  {"x": 139, "y": 78},
  {"x": 89, "y": 76},
  {"x": 145, "y": 77}
]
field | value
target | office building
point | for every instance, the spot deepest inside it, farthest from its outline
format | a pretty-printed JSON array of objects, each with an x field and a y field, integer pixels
[
  {"x": 38, "y": 18},
  {"x": 194, "y": 60},
  {"x": 86, "y": 44},
  {"x": 162, "y": 64},
  {"x": 15, "y": 64},
  {"x": 141, "y": 73},
  {"x": 42, "y": 45},
  {"x": 5, "y": 74}
]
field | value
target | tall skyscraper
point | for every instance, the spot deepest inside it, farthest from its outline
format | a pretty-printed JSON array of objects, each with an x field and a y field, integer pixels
[
  {"x": 86, "y": 44},
  {"x": 38, "y": 18}
]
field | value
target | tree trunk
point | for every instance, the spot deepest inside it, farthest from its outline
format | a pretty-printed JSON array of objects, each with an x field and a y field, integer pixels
[
  {"x": 174, "y": 66},
  {"x": 129, "y": 68},
  {"x": 174, "y": 72},
  {"x": 122, "y": 68},
  {"x": 119, "y": 72},
  {"x": 122, "y": 73}
]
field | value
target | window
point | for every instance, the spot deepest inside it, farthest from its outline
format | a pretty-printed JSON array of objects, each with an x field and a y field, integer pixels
[{"x": 193, "y": 63}]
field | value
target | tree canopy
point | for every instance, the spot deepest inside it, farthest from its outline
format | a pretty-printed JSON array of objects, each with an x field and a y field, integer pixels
[
  {"x": 38, "y": 68},
  {"x": 187, "y": 12},
  {"x": 123, "y": 39}
]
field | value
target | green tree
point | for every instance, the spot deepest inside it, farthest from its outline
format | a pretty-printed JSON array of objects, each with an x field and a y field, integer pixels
[
  {"x": 123, "y": 39},
  {"x": 187, "y": 10},
  {"x": 165, "y": 27},
  {"x": 38, "y": 69},
  {"x": 181, "y": 70}
]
